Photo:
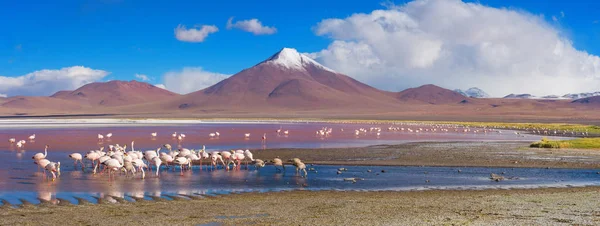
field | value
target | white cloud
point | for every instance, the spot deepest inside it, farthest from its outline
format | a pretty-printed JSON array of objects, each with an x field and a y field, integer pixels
[
  {"x": 562, "y": 14},
  {"x": 457, "y": 45},
  {"x": 194, "y": 34},
  {"x": 162, "y": 86},
  {"x": 3, "y": 95},
  {"x": 190, "y": 79},
  {"x": 46, "y": 82},
  {"x": 142, "y": 77},
  {"x": 253, "y": 25}
]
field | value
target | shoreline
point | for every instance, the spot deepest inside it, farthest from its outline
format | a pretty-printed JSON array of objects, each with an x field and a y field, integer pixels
[{"x": 542, "y": 206}]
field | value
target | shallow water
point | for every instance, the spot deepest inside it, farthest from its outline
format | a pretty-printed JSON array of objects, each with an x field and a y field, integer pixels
[
  {"x": 19, "y": 179},
  {"x": 301, "y": 135}
]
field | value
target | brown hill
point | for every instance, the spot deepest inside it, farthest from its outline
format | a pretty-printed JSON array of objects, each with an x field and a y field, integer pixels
[
  {"x": 116, "y": 93},
  {"x": 290, "y": 80},
  {"x": 433, "y": 95},
  {"x": 41, "y": 103}
]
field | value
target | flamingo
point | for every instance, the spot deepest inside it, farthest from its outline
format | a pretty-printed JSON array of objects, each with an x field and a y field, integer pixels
[
  {"x": 100, "y": 137},
  {"x": 42, "y": 163},
  {"x": 139, "y": 164},
  {"x": 54, "y": 168},
  {"x": 279, "y": 130},
  {"x": 258, "y": 163},
  {"x": 286, "y": 132},
  {"x": 20, "y": 144},
  {"x": 203, "y": 155},
  {"x": 247, "y": 135},
  {"x": 181, "y": 161},
  {"x": 248, "y": 156},
  {"x": 300, "y": 166},
  {"x": 128, "y": 165},
  {"x": 237, "y": 157},
  {"x": 112, "y": 165},
  {"x": 12, "y": 140},
  {"x": 264, "y": 138},
  {"x": 277, "y": 162},
  {"x": 109, "y": 135},
  {"x": 217, "y": 133},
  {"x": 77, "y": 157},
  {"x": 157, "y": 162},
  {"x": 227, "y": 156},
  {"x": 212, "y": 135},
  {"x": 39, "y": 156},
  {"x": 154, "y": 134},
  {"x": 32, "y": 137},
  {"x": 174, "y": 135},
  {"x": 214, "y": 156},
  {"x": 182, "y": 135}
]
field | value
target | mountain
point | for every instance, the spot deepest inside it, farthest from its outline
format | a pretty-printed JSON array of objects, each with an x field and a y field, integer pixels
[
  {"x": 581, "y": 95},
  {"x": 473, "y": 92},
  {"x": 593, "y": 100},
  {"x": 48, "y": 104},
  {"x": 287, "y": 79},
  {"x": 432, "y": 94},
  {"x": 115, "y": 93},
  {"x": 519, "y": 96}
]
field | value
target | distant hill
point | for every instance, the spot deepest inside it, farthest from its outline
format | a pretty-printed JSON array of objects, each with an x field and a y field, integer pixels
[
  {"x": 431, "y": 94},
  {"x": 116, "y": 93}
]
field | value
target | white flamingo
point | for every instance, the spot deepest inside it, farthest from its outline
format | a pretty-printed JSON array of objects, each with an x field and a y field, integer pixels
[
  {"x": 100, "y": 137},
  {"x": 32, "y": 137},
  {"x": 77, "y": 158},
  {"x": 154, "y": 134},
  {"x": 12, "y": 140},
  {"x": 54, "y": 168},
  {"x": 181, "y": 161},
  {"x": 109, "y": 135}
]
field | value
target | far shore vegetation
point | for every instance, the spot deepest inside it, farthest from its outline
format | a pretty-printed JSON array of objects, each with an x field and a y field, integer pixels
[{"x": 580, "y": 143}]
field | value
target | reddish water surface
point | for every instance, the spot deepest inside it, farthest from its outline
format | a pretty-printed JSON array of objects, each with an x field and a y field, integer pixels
[
  {"x": 19, "y": 177},
  {"x": 301, "y": 135}
]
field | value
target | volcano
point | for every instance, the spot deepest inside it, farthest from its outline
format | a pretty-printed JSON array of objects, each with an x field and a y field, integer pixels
[{"x": 288, "y": 79}]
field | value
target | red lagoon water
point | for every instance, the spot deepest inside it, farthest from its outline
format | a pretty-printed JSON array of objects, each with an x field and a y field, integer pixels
[{"x": 301, "y": 135}]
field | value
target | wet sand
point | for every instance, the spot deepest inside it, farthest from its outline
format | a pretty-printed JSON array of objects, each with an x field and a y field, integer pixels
[
  {"x": 483, "y": 154},
  {"x": 507, "y": 207}
]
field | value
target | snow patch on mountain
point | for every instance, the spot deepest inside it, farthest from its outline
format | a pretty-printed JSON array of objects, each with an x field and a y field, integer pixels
[
  {"x": 473, "y": 92},
  {"x": 291, "y": 59}
]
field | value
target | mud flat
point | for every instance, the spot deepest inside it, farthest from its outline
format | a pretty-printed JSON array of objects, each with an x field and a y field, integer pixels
[
  {"x": 510, "y": 207},
  {"x": 467, "y": 153}
]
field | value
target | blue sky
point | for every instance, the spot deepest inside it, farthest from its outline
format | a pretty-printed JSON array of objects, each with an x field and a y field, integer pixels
[{"x": 126, "y": 37}]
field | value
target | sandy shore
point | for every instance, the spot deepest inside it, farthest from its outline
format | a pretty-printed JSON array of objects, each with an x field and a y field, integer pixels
[
  {"x": 460, "y": 154},
  {"x": 506, "y": 207}
]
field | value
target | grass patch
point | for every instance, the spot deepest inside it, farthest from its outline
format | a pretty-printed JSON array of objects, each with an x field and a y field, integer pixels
[{"x": 581, "y": 143}]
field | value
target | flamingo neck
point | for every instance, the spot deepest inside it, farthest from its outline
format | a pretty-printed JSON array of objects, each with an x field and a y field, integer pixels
[{"x": 45, "y": 152}]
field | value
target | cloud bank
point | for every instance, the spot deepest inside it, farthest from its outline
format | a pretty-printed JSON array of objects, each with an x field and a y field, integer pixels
[
  {"x": 194, "y": 34},
  {"x": 142, "y": 77},
  {"x": 457, "y": 45},
  {"x": 253, "y": 26},
  {"x": 46, "y": 82},
  {"x": 190, "y": 79}
]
